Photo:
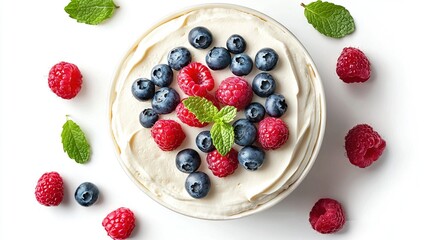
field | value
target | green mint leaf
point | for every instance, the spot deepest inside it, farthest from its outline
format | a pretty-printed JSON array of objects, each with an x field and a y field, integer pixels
[
  {"x": 90, "y": 12},
  {"x": 202, "y": 108},
  {"x": 74, "y": 142},
  {"x": 226, "y": 114},
  {"x": 329, "y": 19},
  {"x": 223, "y": 137}
]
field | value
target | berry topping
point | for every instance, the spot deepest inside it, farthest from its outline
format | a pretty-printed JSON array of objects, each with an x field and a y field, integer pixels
[
  {"x": 266, "y": 59},
  {"x": 195, "y": 80},
  {"x": 222, "y": 166},
  {"x": 165, "y": 100},
  {"x": 204, "y": 142},
  {"x": 218, "y": 58},
  {"x": 148, "y": 118},
  {"x": 327, "y": 216},
  {"x": 162, "y": 75},
  {"x": 353, "y": 66},
  {"x": 241, "y": 64},
  {"x": 187, "y": 116},
  {"x": 251, "y": 157},
  {"x": 188, "y": 160},
  {"x": 244, "y": 132},
  {"x": 49, "y": 189},
  {"x": 275, "y": 105},
  {"x": 168, "y": 134},
  {"x": 120, "y": 223},
  {"x": 263, "y": 84},
  {"x": 200, "y": 37},
  {"x": 143, "y": 89},
  {"x": 272, "y": 133},
  {"x": 65, "y": 80},
  {"x": 363, "y": 145},
  {"x": 236, "y": 44},
  {"x": 178, "y": 58},
  {"x": 254, "y": 112},
  {"x": 234, "y": 91},
  {"x": 197, "y": 184},
  {"x": 86, "y": 194}
]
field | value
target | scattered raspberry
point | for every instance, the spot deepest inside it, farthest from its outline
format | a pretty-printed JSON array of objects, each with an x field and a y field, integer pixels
[
  {"x": 65, "y": 80},
  {"x": 168, "y": 134},
  {"x": 353, "y": 66},
  {"x": 363, "y": 145},
  {"x": 120, "y": 223},
  {"x": 188, "y": 117},
  {"x": 272, "y": 133},
  {"x": 327, "y": 216},
  {"x": 234, "y": 91},
  {"x": 195, "y": 79},
  {"x": 49, "y": 189},
  {"x": 222, "y": 166}
]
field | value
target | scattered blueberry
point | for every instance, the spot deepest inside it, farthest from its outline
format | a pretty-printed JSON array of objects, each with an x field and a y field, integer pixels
[
  {"x": 218, "y": 58},
  {"x": 254, "y": 112},
  {"x": 197, "y": 184},
  {"x": 165, "y": 100},
  {"x": 148, "y": 118},
  {"x": 266, "y": 59},
  {"x": 86, "y": 194},
  {"x": 188, "y": 160},
  {"x": 143, "y": 89},
  {"x": 236, "y": 44},
  {"x": 178, "y": 58},
  {"x": 263, "y": 84},
  {"x": 162, "y": 75},
  {"x": 241, "y": 64},
  {"x": 276, "y": 105},
  {"x": 251, "y": 157},
  {"x": 244, "y": 132},
  {"x": 204, "y": 142},
  {"x": 200, "y": 37}
]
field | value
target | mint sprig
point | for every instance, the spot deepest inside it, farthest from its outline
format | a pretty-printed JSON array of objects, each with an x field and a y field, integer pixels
[
  {"x": 222, "y": 132},
  {"x": 74, "y": 142},
  {"x": 329, "y": 19},
  {"x": 91, "y": 12}
]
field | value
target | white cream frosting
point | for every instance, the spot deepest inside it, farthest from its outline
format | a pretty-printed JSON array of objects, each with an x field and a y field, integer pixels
[{"x": 244, "y": 192}]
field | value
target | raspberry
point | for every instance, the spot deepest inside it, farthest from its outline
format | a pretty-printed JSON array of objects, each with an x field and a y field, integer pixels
[
  {"x": 49, "y": 189},
  {"x": 327, "y": 216},
  {"x": 234, "y": 91},
  {"x": 222, "y": 166},
  {"x": 272, "y": 133},
  {"x": 168, "y": 134},
  {"x": 188, "y": 117},
  {"x": 65, "y": 80},
  {"x": 363, "y": 145},
  {"x": 195, "y": 79},
  {"x": 353, "y": 66},
  {"x": 120, "y": 223}
]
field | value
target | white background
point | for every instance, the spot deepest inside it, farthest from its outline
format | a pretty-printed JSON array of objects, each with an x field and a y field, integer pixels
[{"x": 388, "y": 199}]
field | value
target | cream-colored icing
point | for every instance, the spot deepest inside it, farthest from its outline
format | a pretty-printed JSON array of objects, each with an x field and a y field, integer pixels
[{"x": 243, "y": 192}]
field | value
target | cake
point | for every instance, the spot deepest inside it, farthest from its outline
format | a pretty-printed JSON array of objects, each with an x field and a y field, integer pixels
[{"x": 244, "y": 192}]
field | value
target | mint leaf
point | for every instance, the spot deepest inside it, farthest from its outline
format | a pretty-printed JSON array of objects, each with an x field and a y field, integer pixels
[
  {"x": 329, "y": 19},
  {"x": 90, "y": 12},
  {"x": 74, "y": 142},
  {"x": 226, "y": 114},
  {"x": 223, "y": 137},
  {"x": 202, "y": 108}
]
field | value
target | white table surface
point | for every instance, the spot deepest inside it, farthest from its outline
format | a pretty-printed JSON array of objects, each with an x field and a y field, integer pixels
[{"x": 388, "y": 199}]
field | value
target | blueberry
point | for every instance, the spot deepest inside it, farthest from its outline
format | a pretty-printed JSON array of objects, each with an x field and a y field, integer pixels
[
  {"x": 263, "y": 84},
  {"x": 254, "y": 112},
  {"x": 276, "y": 105},
  {"x": 200, "y": 37},
  {"x": 197, "y": 184},
  {"x": 178, "y": 58},
  {"x": 236, "y": 44},
  {"x": 86, "y": 194},
  {"x": 188, "y": 160},
  {"x": 204, "y": 142},
  {"x": 218, "y": 58},
  {"x": 162, "y": 75},
  {"x": 244, "y": 132},
  {"x": 251, "y": 157},
  {"x": 148, "y": 118},
  {"x": 241, "y": 64},
  {"x": 266, "y": 59},
  {"x": 143, "y": 89},
  {"x": 165, "y": 100}
]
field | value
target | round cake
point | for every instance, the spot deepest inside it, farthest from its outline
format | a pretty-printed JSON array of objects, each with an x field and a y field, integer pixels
[{"x": 244, "y": 192}]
